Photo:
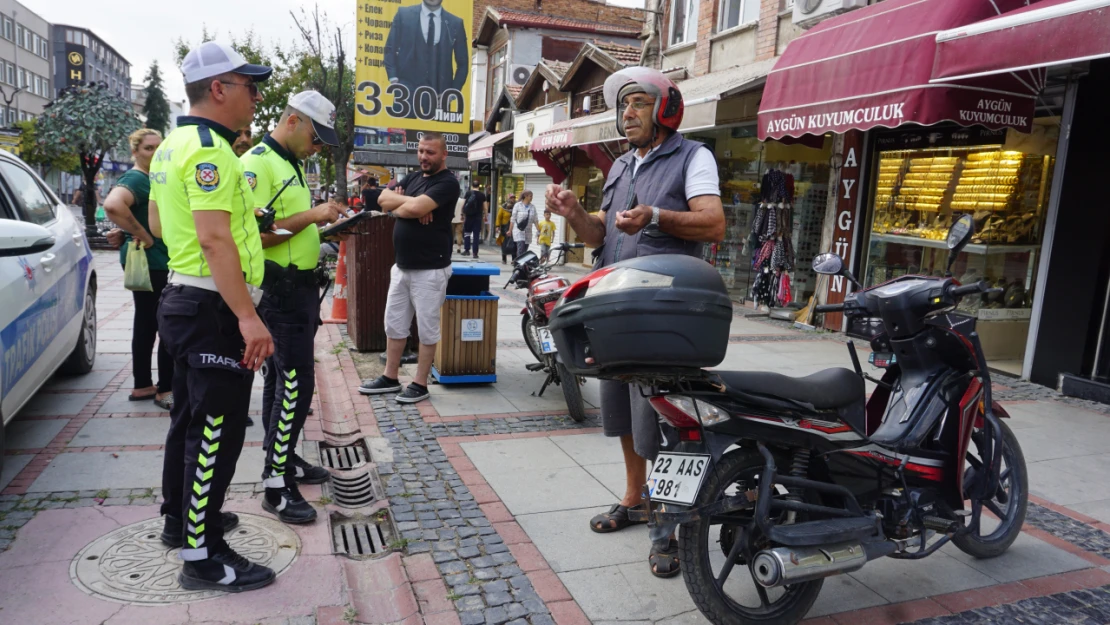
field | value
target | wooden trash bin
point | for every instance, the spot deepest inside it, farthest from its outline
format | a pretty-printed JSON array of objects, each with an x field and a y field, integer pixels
[{"x": 467, "y": 349}]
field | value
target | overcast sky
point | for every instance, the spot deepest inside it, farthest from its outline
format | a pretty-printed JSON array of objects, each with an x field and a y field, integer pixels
[{"x": 144, "y": 30}]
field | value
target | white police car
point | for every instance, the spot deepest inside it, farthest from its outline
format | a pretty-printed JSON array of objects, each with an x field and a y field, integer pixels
[{"x": 47, "y": 289}]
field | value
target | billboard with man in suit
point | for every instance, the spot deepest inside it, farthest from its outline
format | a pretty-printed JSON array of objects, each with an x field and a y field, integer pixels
[{"x": 413, "y": 68}]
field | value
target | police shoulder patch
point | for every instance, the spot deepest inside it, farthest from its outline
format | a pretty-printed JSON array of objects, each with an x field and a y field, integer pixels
[
  {"x": 260, "y": 149},
  {"x": 252, "y": 179},
  {"x": 207, "y": 176}
]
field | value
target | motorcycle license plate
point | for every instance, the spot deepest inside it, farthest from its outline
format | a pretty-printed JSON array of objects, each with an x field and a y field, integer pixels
[
  {"x": 547, "y": 344},
  {"x": 676, "y": 478}
]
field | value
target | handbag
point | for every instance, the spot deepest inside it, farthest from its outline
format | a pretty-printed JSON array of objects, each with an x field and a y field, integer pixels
[{"x": 136, "y": 273}]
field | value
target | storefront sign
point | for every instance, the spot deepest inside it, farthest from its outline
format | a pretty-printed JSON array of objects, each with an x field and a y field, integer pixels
[
  {"x": 847, "y": 205},
  {"x": 402, "y": 81},
  {"x": 75, "y": 64},
  {"x": 529, "y": 136},
  {"x": 484, "y": 168}
]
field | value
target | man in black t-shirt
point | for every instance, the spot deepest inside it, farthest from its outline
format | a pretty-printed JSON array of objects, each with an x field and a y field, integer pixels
[
  {"x": 370, "y": 193},
  {"x": 475, "y": 208},
  {"x": 424, "y": 205}
]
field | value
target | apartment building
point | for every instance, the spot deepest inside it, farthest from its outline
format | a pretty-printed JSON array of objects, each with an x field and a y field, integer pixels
[{"x": 25, "y": 74}]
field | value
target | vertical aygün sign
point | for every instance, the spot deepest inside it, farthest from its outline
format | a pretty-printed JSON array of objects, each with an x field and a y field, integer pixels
[
  {"x": 413, "y": 72},
  {"x": 847, "y": 203}
]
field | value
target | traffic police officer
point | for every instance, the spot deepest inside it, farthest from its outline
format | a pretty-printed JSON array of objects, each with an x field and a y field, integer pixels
[
  {"x": 291, "y": 304},
  {"x": 201, "y": 206}
]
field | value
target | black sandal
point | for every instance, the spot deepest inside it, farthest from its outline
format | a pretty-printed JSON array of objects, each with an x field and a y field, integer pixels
[
  {"x": 664, "y": 560},
  {"x": 616, "y": 519}
]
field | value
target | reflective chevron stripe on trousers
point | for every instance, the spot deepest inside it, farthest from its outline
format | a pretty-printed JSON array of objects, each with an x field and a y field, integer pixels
[
  {"x": 289, "y": 377},
  {"x": 209, "y": 418}
]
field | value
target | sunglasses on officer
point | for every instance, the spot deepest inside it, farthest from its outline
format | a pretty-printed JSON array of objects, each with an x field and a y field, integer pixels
[
  {"x": 252, "y": 87},
  {"x": 316, "y": 140}
]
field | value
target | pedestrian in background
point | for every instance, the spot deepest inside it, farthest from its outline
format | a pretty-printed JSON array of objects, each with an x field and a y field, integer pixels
[
  {"x": 457, "y": 225},
  {"x": 126, "y": 205},
  {"x": 370, "y": 193},
  {"x": 504, "y": 229},
  {"x": 474, "y": 209},
  {"x": 523, "y": 218},
  {"x": 242, "y": 142},
  {"x": 546, "y": 230}
]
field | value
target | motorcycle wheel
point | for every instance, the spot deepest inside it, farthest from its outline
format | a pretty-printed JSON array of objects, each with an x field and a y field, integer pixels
[
  {"x": 739, "y": 599},
  {"x": 1009, "y": 504},
  {"x": 571, "y": 393},
  {"x": 531, "y": 336}
]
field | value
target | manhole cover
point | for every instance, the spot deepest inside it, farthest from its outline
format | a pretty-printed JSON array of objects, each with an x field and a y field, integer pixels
[{"x": 131, "y": 565}]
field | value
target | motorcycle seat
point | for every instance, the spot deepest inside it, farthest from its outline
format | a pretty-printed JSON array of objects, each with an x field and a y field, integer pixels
[{"x": 830, "y": 389}]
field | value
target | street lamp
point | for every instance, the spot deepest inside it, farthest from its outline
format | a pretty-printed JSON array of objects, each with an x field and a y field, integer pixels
[{"x": 8, "y": 99}]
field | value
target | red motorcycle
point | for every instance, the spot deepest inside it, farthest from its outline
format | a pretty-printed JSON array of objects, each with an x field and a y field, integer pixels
[
  {"x": 779, "y": 482},
  {"x": 544, "y": 291}
]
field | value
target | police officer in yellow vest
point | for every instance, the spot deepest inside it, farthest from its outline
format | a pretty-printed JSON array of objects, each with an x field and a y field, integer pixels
[
  {"x": 201, "y": 206},
  {"x": 291, "y": 304}
]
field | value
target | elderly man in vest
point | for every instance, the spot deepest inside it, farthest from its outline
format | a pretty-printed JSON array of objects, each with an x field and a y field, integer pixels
[{"x": 662, "y": 197}]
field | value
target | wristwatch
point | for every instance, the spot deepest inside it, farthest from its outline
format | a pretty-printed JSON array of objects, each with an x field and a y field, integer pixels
[{"x": 655, "y": 216}]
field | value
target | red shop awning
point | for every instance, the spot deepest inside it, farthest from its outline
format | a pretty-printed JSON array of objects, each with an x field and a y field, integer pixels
[
  {"x": 551, "y": 149},
  {"x": 1023, "y": 43},
  {"x": 872, "y": 67}
]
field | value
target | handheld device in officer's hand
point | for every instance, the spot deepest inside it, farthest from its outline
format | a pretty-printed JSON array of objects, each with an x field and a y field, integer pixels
[{"x": 268, "y": 214}]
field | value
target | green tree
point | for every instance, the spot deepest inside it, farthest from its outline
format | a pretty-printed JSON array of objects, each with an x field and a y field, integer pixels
[
  {"x": 156, "y": 108},
  {"x": 330, "y": 72},
  {"x": 48, "y": 157},
  {"x": 89, "y": 121}
]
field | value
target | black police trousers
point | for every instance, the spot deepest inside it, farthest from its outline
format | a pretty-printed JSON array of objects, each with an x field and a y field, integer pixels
[
  {"x": 211, "y": 393},
  {"x": 292, "y": 317}
]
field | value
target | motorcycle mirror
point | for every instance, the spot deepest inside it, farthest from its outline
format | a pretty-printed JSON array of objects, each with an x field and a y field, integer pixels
[
  {"x": 960, "y": 233},
  {"x": 958, "y": 237},
  {"x": 828, "y": 264}
]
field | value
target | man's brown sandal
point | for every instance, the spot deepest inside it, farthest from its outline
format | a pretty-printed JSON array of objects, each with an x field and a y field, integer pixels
[
  {"x": 664, "y": 560},
  {"x": 617, "y": 518}
]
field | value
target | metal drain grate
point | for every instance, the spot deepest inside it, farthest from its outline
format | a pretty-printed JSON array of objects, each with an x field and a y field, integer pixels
[
  {"x": 346, "y": 457},
  {"x": 361, "y": 538},
  {"x": 354, "y": 491}
]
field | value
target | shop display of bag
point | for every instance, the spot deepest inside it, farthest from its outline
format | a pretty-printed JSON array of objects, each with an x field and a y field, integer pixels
[{"x": 136, "y": 273}]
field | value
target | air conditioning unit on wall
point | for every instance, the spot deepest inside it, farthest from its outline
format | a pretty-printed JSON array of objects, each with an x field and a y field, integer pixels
[
  {"x": 808, "y": 13},
  {"x": 518, "y": 74}
]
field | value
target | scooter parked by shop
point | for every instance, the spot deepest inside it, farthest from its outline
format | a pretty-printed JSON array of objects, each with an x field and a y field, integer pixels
[{"x": 544, "y": 290}]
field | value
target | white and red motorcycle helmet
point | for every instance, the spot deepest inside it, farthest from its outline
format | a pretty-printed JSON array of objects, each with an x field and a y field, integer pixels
[{"x": 668, "y": 99}]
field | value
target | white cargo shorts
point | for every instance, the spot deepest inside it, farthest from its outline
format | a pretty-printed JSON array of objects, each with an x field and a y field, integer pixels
[{"x": 415, "y": 291}]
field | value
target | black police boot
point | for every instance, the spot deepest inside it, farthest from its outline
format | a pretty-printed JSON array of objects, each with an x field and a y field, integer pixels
[
  {"x": 308, "y": 473},
  {"x": 288, "y": 505},
  {"x": 173, "y": 530},
  {"x": 226, "y": 571}
]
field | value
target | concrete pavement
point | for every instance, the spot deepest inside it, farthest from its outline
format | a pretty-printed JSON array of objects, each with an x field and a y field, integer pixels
[{"x": 486, "y": 492}]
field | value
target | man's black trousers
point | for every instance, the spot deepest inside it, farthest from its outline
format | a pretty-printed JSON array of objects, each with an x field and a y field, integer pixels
[
  {"x": 211, "y": 392},
  {"x": 292, "y": 318}
]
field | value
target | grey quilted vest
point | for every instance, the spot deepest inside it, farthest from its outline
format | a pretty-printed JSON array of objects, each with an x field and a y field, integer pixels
[{"x": 660, "y": 181}]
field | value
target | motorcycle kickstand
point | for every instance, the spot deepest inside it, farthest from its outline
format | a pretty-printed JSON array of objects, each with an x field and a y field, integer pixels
[{"x": 550, "y": 377}]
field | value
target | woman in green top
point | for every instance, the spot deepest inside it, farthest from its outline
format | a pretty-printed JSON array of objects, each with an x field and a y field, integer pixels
[{"x": 126, "y": 205}]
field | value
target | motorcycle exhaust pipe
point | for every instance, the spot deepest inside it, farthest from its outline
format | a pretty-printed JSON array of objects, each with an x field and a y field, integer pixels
[{"x": 789, "y": 565}]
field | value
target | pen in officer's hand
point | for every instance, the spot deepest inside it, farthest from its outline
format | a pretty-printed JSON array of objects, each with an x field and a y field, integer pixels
[{"x": 267, "y": 214}]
